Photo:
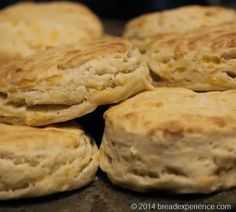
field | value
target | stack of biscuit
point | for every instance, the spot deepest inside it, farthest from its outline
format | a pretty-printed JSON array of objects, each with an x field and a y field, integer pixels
[
  {"x": 180, "y": 137},
  {"x": 56, "y": 65}
]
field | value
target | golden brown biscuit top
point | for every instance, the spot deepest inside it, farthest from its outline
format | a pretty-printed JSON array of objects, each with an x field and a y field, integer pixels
[
  {"x": 175, "y": 111},
  {"x": 49, "y": 65},
  {"x": 213, "y": 38},
  {"x": 178, "y": 20},
  {"x": 29, "y": 11},
  {"x": 202, "y": 60},
  {"x": 45, "y": 22},
  {"x": 66, "y": 134}
]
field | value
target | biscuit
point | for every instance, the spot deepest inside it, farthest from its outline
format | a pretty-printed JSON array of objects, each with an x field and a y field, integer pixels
[
  {"x": 42, "y": 161},
  {"x": 64, "y": 83},
  {"x": 26, "y": 28},
  {"x": 141, "y": 30},
  {"x": 199, "y": 60},
  {"x": 172, "y": 139}
]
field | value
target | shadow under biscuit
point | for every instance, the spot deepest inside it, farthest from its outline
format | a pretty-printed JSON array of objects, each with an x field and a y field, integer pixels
[
  {"x": 63, "y": 201},
  {"x": 121, "y": 199},
  {"x": 93, "y": 123}
]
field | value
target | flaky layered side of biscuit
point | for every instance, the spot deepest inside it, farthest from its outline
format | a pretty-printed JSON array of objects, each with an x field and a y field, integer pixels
[
  {"x": 203, "y": 60},
  {"x": 141, "y": 30},
  {"x": 64, "y": 83},
  {"x": 26, "y": 28},
  {"x": 172, "y": 139},
  {"x": 41, "y": 161}
]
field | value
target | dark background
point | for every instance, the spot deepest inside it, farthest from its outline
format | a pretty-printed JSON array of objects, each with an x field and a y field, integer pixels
[{"x": 126, "y": 9}]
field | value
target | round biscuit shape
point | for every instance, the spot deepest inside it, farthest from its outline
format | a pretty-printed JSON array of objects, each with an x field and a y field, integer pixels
[
  {"x": 172, "y": 139},
  {"x": 41, "y": 161},
  {"x": 202, "y": 60},
  {"x": 27, "y": 28},
  {"x": 64, "y": 83}
]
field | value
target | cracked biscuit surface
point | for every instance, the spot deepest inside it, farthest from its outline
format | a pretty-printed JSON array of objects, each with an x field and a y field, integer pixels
[
  {"x": 64, "y": 83},
  {"x": 172, "y": 139},
  {"x": 202, "y": 60},
  {"x": 42, "y": 161},
  {"x": 143, "y": 29},
  {"x": 26, "y": 28}
]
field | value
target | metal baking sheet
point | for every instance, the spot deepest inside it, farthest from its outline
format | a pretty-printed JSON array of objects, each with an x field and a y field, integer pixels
[{"x": 101, "y": 196}]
